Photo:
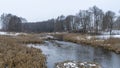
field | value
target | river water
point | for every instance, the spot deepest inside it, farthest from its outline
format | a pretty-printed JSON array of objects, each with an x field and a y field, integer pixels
[{"x": 59, "y": 51}]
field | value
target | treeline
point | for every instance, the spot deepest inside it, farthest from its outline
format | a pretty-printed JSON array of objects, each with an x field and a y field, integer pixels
[
  {"x": 45, "y": 26},
  {"x": 93, "y": 20},
  {"x": 12, "y": 23}
]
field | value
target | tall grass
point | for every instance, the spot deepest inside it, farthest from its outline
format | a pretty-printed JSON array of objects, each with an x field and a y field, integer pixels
[{"x": 14, "y": 54}]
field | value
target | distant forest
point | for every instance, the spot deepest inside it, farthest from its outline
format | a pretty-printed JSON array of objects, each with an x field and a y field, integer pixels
[{"x": 93, "y": 20}]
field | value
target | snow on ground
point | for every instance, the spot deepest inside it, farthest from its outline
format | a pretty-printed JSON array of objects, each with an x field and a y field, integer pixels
[
  {"x": 99, "y": 37},
  {"x": 57, "y": 33},
  {"x": 3, "y": 33},
  {"x": 103, "y": 37},
  {"x": 114, "y": 32},
  {"x": 73, "y": 64},
  {"x": 47, "y": 37},
  {"x": 107, "y": 36},
  {"x": 89, "y": 37},
  {"x": 70, "y": 64},
  {"x": 12, "y": 34},
  {"x": 117, "y": 32}
]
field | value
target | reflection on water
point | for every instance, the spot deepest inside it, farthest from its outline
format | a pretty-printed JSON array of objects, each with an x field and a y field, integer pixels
[{"x": 59, "y": 51}]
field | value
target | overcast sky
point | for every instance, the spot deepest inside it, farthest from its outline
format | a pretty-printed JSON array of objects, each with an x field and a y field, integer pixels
[{"x": 38, "y": 10}]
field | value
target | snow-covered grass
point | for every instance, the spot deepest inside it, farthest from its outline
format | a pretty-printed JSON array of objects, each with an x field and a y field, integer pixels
[
  {"x": 117, "y": 32},
  {"x": 12, "y": 34},
  {"x": 47, "y": 37},
  {"x": 74, "y": 64},
  {"x": 107, "y": 36},
  {"x": 3, "y": 33},
  {"x": 114, "y": 32}
]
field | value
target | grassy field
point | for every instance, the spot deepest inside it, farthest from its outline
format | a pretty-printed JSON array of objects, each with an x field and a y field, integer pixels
[
  {"x": 14, "y": 53},
  {"x": 111, "y": 44}
]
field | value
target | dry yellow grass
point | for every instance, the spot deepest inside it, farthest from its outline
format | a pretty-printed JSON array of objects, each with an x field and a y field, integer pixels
[
  {"x": 14, "y": 54},
  {"x": 29, "y": 38},
  {"x": 113, "y": 44}
]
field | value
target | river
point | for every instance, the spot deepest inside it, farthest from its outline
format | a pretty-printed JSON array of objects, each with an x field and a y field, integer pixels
[{"x": 59, "y": 51}]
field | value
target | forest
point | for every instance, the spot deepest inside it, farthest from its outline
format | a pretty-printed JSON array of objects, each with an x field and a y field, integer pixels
[{"x": 93, "y": 21}]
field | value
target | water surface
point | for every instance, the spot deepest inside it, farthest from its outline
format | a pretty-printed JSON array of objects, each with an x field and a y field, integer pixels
[{"x": 59, "y": 51}]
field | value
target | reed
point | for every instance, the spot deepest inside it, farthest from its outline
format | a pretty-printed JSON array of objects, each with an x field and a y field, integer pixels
[{"x": 14, "y": 53}]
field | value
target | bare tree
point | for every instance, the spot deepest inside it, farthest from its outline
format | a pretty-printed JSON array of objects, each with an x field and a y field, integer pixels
[
  {"x": 85, "y": 19},
  {"x": 117, "y": 23},
  {"x": 97, "y": 17},
  {"x": 110, "y": 20},
  {"x": 11, "y": 22},
  {"x": 105, "y": 22},
  {"x": 15, "y": 24},
  {"x": 59, "y": 23},
  {"x": 69, "y": 23},
  {"x": 5, "y": 21}
]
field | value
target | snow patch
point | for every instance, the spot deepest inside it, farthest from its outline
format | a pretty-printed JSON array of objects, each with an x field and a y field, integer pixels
[
  {"x": 49, "y": 36},
  {"x": 107, "y": 36},
  {"x": 89, "y": 37},
  {"x": 3, "y": 33},
  {"x": 82, "y": 64},
  {"x": 114, "y": 32},
  {"x": 92, "y": 65},
  {"x": 73, "y": 64},
  {"x": 12, "y": 34},
  {"x": 69, "y": 64}
]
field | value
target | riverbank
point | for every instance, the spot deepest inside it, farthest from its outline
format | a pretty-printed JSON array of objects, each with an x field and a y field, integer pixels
[
  {"x": 15, "y": 54},
  {"x": 111, "y": 44}
]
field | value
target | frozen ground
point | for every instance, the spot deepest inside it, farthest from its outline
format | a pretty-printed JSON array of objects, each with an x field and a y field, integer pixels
[
  {"x": 114, "y": 32},
  {"x": 11, "y": 33},
  {"x": 107, "y": 36}
]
